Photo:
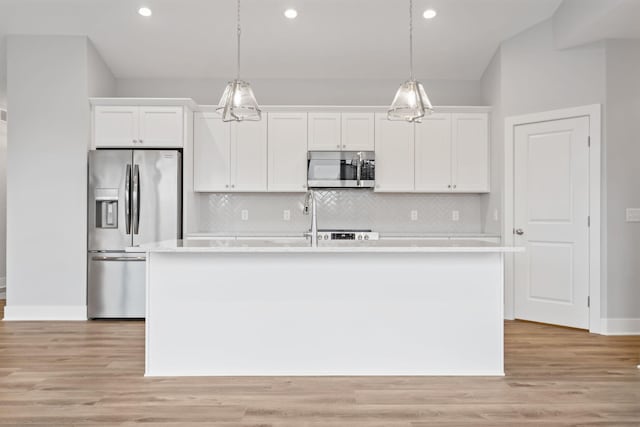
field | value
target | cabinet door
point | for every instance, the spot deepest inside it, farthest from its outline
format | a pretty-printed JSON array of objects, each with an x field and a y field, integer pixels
[
  {"x": 115, "y": 126},
  {"x": 287, "y": 152},
  {"x": 394, "y": 155},
  {"x": 211, "y": 153},
  {"x": 249, "y": 155},
  {"x": 470, "y": 153},
  {"x": 324, "y": 132},
  {"x": 433, "y": 154},
  {"x": 358, "y": 130},
  {"x": 161, "y": 127}
]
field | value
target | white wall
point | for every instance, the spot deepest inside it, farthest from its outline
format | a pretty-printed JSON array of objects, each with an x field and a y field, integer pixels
[
  {"x": 304, "y": 91},
  {"x": 538, "y": 77},
  {"x": 48, "y": 88},
  {"x": 529, "y": 74},
  {"x": 100, "y": 80},
  {"x": 491, "y": 86},
  {"x": 623, "y": 186},
  {"x": 3, "y": 207}
]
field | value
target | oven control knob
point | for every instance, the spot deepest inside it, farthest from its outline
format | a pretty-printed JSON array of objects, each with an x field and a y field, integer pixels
[
  {"x": 359, "y": 236},
  {"x": 366, "y": 237},
  {"x": 326, "y": 237}
]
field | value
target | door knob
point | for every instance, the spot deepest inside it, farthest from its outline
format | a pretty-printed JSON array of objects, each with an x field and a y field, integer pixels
[{"x": 519, "y": 231}]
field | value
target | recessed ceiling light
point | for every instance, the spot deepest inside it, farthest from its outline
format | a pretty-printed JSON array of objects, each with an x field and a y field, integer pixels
[
  {"x": 144, "y": 11},
  {"x": 291, "y": 13},
  {"x": 429, "y": 14}
]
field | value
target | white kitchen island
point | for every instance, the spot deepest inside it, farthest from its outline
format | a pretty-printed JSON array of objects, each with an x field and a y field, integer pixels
[{"x": 281, "y": 307}]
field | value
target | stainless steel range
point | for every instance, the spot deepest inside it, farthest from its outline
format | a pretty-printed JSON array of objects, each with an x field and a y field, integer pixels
[{"x": 357, "y": 235}]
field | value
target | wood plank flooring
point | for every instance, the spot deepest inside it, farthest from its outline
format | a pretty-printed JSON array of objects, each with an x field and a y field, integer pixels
[{"x": 90, "y": 373}]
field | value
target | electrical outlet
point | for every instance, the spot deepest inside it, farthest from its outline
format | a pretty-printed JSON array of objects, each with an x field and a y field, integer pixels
[
  {"x": 495, "y": 215},
  {"x": 414, "y": 215},
  {"x": 455, "y": 215},
  {"x": 244, "y": 214},
  {"x": 286, "y": 215}
]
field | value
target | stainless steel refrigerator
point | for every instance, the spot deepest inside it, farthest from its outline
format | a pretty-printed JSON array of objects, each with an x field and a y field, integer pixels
[{"x": 135, "y": 197}]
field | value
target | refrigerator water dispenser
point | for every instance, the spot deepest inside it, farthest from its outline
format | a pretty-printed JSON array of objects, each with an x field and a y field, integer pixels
[{"x": 106, "y": 207}]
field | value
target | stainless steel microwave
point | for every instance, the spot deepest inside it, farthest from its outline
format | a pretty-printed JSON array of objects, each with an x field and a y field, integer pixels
[{"x": 341, "y": 169}]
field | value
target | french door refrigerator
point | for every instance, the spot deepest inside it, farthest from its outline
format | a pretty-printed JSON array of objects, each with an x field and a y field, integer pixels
[{"x": 134, "y": 198}]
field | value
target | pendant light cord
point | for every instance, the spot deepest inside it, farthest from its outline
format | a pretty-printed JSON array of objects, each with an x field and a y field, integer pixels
[
  {"x": 410, "y": 39},
  {"x": 238, "y": 24}
]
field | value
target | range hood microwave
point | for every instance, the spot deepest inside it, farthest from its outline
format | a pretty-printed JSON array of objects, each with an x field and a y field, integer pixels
[{"x": 341, "y": 169}]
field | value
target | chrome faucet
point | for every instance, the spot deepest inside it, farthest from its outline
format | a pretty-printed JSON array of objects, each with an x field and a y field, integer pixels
[{"x": 310, "y": 203}]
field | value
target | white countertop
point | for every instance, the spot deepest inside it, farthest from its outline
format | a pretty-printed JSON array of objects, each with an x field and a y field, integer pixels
[{"x": 300, "y": 245}]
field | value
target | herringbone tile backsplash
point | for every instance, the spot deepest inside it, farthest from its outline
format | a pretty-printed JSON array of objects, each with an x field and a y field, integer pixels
[{"x": 337, "y": 209}]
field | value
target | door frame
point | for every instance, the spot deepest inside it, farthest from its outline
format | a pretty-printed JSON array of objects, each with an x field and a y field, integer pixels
[{"x": 594, "y": 113}]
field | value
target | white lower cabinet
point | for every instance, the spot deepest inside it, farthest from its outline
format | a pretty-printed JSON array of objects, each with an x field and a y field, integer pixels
[
  {"x": 229, "y": 157},
  {"x": 394, "y": 155},
  {"x": 287, "y": 152}
]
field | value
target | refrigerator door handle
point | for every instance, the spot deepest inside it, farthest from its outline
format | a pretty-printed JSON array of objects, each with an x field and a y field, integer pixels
[
  {"x": 136, "y": 199},
  {"x": 127, "y": 200},
  {"x": 118, "y": 258}
]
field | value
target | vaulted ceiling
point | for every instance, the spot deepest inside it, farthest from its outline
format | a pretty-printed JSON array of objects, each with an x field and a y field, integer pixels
[{"x": 328, "y": 39}]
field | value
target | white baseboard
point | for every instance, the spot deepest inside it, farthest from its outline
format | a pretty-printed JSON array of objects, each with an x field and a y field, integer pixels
[
  {"x": 628, "y": 326},
  {"x": 45, "y": 312}
]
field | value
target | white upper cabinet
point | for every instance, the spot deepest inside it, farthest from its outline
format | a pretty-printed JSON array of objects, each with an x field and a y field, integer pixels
[
  {"x": 287, "y": 152},
  {"x": 136, "y": 127},
  {"x": 249, "y": 155},
  {"x": 115, "y": 126},
  {"x": 229, "y": 157},
  {"x": 433, "y": 154},
  {"x": 324, "y": 132},
  {"x": 470, "y": 166},
  {"x": 358, "y": 131},
  {"x": 452, "y": 153},
  {"x": 341, "y": 131},
  {"x": 394, "y": 155},
  {"x": 211, "y": 153},
  {"x": 161, "y": 126}
]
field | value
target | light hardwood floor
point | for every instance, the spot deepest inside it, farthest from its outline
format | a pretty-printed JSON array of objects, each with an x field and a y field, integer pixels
[{"x": 90, "y": 373}]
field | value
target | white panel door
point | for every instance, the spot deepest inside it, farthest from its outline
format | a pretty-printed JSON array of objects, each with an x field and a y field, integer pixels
[
  {"x": 551, "y": 211},
  {"x": 324, "y": 132},
  {"x": 161, "y": 127},
  {"x": 394, "y": 155},
  {"x": 211, "y": 153},
  {"x": 433, "y": 154},
  {"x": 358, "y": 131},
  {"x": 287, "y": 152},
  {"x": 115, "y": 126},
  {"x": 470, "y": 152},
  {"x": 249, "y": 155}
]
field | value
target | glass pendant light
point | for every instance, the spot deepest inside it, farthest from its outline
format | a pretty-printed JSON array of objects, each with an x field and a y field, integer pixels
[
  {"x": 411, "y": 102},
  {"x": 238, "y": 102}
]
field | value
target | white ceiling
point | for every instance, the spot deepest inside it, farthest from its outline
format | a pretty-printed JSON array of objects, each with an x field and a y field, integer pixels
[{"x": 329, "y": 39}]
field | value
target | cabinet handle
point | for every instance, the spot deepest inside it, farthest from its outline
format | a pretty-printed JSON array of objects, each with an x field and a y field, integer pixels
[
  {"x": 140, "y": 141},
  {"x": 233, "y": 186},
  {"x": 226, "y": 186},
  {"x": 338, "y": 146},
  {"x": 449, "y": 186},
  {"x": 455, "y": 186},
  {"x": 344, "y": 146},
  {"x": 135, "y": 140}
]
